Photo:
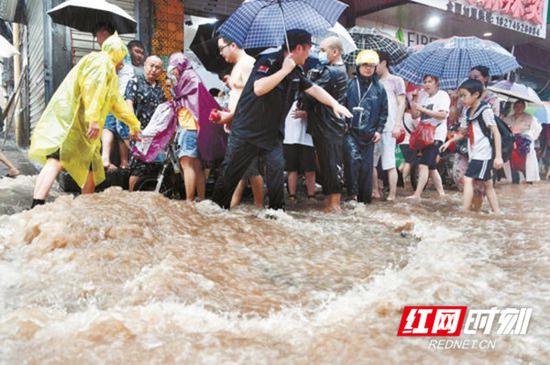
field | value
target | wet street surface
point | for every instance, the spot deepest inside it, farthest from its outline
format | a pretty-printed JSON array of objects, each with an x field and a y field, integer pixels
[{"x": 136, "y": 278}]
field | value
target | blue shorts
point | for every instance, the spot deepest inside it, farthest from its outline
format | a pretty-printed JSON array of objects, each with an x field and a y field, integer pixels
[
  {"x": 408, "y": 154},
  {"x": 429, "y": 155},
  {"x": 110, "y": 123},
  {"x": 187, "y": 143},
  {"x": 117, "y": 127},
  {"x": 479, "y": 170}
]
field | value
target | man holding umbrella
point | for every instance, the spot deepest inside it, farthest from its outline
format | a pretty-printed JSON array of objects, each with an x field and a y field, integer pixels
[{"x": 258, "y": 124}]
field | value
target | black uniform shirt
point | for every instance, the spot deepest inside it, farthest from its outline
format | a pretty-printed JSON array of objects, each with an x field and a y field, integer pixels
[{"x": 259, "y": 120}]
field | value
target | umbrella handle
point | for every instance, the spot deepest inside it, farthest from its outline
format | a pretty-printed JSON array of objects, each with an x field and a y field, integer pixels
[{"x": 284, "y": 25}]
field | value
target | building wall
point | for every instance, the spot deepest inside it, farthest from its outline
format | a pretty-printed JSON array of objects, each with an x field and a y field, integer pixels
[
  {"x": 36, "y": 58},
  {"x": 167, "y": 27},
  {"x": 84, "y": 43}
]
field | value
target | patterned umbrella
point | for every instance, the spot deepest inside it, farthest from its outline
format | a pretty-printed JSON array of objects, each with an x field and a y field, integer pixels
[
  {"x": 514, "y": 90},
  {"x": 370, "y": 38},
  {"x": 263, "y": 23},
  {"x": 451, "y": 59}
]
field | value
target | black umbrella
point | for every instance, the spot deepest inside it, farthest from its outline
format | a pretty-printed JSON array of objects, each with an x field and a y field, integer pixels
[
  {"x": 84, "y": 15},
  {"x": 205, "y": 46}
]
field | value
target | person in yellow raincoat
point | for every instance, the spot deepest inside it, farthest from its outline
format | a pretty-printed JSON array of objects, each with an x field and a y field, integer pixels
[{"x": 67, "y": 135}]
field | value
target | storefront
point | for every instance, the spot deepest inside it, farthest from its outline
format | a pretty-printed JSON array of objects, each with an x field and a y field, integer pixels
[
  {"x": 49, "y": 51},
  {"x": 525, "y": 33}
]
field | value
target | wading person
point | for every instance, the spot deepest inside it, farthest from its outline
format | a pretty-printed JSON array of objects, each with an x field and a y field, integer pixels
[
  {"x": 326, "y": 128},
  {"x": 432, "y": 108},
  {"x": 479, "y": 126},
  {"x": 242, "y": 68},
  {"x": 188, "y": 91},
  {"x": 67, "y": 134},
  {"x": 116, "y": 132},
  {"x": 258, "y": 125},
  {"x": 367, "y": 98},
  {"x": 143, "y": 95},
  {"x": 460, "y": 162},
  {"x": 395, "y": 91}
]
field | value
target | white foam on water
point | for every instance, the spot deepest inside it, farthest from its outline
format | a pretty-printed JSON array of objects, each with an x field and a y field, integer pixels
[{"x": 180, "y": 301}]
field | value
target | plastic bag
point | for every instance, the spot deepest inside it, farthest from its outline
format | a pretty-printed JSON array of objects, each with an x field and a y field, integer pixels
[{"x": 422, "y": 136}]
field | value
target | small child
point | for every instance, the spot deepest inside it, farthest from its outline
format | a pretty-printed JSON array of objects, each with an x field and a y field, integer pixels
[{"x": 480, "y": 149}]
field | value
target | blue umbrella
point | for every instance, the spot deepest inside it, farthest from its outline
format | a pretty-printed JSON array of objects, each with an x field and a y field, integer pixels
[
  {"x": 451, "y": 59},
  {"x": 263, "y": 23}
]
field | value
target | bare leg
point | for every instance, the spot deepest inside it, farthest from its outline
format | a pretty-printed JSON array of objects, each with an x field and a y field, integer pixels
[
  {"x": 423, "y": 173},
  {"x": 124, "y": 151},
  {"x": 392, "y": 180},
  {"x": 107, "y": 139},
  {"x": 257, "y": 184},
  {"x": 310, "y": 183},
  {"x": 201, "y": 179},
  {"x": 12, "y": 170},
  {"x": 468, "y": 193},
  {"x": 292, "y": 182},
  {"x": 89, "y": 186},
  {"x": 477, "y": 202},
  {"x": 492, "y": 196},
  {"x": 405, "y": 173},
  {"x": 238, "y": 194},
  {"x": 333, "y": 203},
  {"x": 189, "y": 177},
  {"x": 375, "y": 186},
  {"x": 46, "y": 178},
  {"x": 438, "y": 183},
  {"x": 132, "y": 182}
]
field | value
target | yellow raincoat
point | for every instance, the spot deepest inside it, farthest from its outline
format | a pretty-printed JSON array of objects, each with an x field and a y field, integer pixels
[{"x": 88, "y": 93}]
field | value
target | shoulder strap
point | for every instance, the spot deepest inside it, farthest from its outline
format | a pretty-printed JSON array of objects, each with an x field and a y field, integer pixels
[{"x": 484, "y": 129}]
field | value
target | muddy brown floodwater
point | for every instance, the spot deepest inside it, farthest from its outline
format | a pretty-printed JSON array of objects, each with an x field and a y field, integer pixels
[{"x": 136, "y": 278}]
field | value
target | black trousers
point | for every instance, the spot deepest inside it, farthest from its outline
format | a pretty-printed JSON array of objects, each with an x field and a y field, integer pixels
[
  {"x": 238, "y": 158},
  {"x": 329, "y": 152},
  {"x": 358, "y": 165}
]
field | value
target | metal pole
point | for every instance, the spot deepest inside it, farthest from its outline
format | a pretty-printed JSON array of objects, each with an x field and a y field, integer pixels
[
  {"x": 19, "y": 126},
  {"x": 509, "y": 76},
  {"x": 284, "y": 25}
]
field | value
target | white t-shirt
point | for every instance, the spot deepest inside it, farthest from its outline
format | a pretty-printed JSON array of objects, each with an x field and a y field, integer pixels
[
  {"x": 295, "y": 130},
  {"x": 395, "y": 86},
  {"x": 439, "y": 102},
  {"x": 481, "y": 149},
  {"x": 124, "y": 76},
  {"x": 410, "y": 124}
]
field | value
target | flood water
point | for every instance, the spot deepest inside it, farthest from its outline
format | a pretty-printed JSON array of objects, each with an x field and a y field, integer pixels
[{"x": 136, "y": 278}]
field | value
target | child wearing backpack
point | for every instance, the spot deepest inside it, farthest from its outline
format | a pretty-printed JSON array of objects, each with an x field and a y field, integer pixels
[{"x": 478, "y": 124}]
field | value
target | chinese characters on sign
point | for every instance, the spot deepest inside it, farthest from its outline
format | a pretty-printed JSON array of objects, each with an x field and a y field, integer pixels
[
  {"x": 524, "y": 16},
  {"x": 448, "y": 321},
  {"x": 502, "y": 19}
]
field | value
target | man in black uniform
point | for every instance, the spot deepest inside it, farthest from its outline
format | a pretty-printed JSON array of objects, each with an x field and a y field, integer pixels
[
  {"x": 258, "y": 125},
  {"x": 327, "y": 128}
]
